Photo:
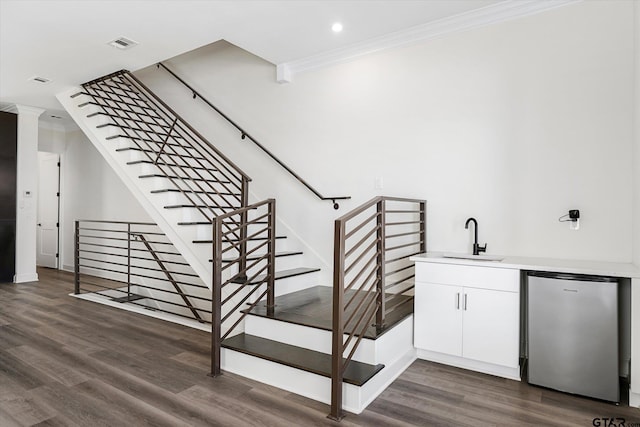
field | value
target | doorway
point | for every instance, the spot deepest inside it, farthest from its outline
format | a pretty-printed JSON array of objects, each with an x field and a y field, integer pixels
[{"x": 48, "y": 210}]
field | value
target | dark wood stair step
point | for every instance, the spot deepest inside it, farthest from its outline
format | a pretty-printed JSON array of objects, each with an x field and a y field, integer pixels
[
  {"x": 198, "y": 207},
  {"x": 254, "y": 257},
  {"x": 357, "y": 373},
  {"x": 282, "y": 274},
  {"x": 313, "y": 307},
  {"x": 128, "y": 298},
  {"x": 154, "y": 143},
  {"x": 175, "y": 190},
  {"x": 255, "y": 239},
  {"x": 140, "y": 129},
  {"x": 144, "y": 150},
  {"x": 183, "y": 178},
  {"x": 150, "y": 162},
  {"x": 209, "y": 223}
]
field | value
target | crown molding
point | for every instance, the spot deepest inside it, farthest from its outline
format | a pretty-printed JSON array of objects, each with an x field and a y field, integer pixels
[
  {"x": 499, "y": 12},
  {"x": 22, "y": 109}
]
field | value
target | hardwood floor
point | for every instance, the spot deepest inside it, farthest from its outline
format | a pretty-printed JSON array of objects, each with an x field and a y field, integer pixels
[{"x": 69, "y": 362}]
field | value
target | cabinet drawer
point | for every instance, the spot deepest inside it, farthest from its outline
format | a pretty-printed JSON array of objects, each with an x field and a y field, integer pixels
[{"x": 500, "y": 279}]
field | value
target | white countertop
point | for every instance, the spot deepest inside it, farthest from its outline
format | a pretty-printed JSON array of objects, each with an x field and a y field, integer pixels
[{"x": 597, "y": 268}]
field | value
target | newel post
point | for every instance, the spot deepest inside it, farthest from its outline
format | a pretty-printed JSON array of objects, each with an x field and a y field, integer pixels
[
  {"x": 380, "y": 279},
  {"x": 337, "y": 336}
]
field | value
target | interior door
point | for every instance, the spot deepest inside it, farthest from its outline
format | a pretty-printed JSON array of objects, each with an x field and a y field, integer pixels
[{"x": 48, "y": 194}]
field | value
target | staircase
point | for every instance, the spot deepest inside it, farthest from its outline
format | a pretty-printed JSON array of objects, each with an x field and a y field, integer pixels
[
  {"x": 200, "y": 200},
  {"x": 180, "y": 179}
]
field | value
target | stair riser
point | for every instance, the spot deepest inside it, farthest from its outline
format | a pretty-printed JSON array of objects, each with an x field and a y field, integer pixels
[
  {"x": 297, "y": 283},
  {"x": 313, "y": 386}
]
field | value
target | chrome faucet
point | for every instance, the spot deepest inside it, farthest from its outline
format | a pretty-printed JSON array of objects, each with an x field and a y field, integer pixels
[{"x": 476, "y": 247}]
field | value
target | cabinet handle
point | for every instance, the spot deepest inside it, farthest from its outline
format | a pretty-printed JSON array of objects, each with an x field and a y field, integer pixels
[
  {"x": 465, "y": 302},
  {"x": 458, "y": 301}
]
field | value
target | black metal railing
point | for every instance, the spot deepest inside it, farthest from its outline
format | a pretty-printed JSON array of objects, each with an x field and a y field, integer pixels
[
  {"x": 373, "y": 277},
  {"x": 246, "y": 135},
  {"x": 207, "y": 179},
  {"x": 241, "y": 278},
  {"x": 135, "y": 263}
]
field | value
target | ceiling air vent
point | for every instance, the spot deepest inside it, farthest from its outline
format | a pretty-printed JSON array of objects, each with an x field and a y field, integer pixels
[
  {"x": 39, "y": 79},
  {"x": 122, "y": 43}
]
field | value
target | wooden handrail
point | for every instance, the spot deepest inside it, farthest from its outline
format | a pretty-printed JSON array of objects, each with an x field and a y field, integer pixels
[{"x": 246, "y": 135}]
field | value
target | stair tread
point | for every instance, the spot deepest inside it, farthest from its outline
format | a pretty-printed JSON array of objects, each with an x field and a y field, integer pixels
[
  {"x": 150, "y": 162},
  {"x": 144, "y": 150},
  {"x": 198, "y": 207},
  {"x": 233, "y": 240},
  {"x": 357, "y": 373},
  {"x": 209, "y": 223},
  {"x": 282, "y": 274},
  {"x": 147, "y": 140},
  {"x": 312, "y": 307},
  {"x": 175, "y": 190},
  {"x": 184, "y": 178},
  {"x": 253, "y": 257}
]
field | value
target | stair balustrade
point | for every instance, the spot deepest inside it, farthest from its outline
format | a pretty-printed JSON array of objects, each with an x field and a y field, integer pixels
[
  {"x": 372, "y": 275},
  {"x": 246, "y": 277},
  {"x": 135, "y": 263}
]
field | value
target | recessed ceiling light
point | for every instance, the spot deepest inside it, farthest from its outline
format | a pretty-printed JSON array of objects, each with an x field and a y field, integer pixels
[
  {"x": 39, "y": 79},
  {"x": 337, "y": 27},
  {"x": 122, "y": 43}
]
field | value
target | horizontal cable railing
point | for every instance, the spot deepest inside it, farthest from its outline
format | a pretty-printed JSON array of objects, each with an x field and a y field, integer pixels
[
  {"x": 241, "y": 278},
  {"x": 206, "y": 178},
  {"x": 245, "y": 135},
  {"x": 135, "y": 263},
  {"x": 373, "y": 277}
]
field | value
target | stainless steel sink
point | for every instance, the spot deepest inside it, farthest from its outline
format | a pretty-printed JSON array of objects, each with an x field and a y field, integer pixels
[{"x": 474, "y": 257}]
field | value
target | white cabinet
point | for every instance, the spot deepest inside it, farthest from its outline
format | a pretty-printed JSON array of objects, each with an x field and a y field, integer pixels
[{"x": 468, "y": 316}]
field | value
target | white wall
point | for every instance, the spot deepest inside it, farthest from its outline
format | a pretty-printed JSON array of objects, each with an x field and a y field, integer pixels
[
  {"x": 636, "y": 161},
  {"x": 90, "y": 191},
  {"x": 51, "y": 138},
  {"x": 513, "y": 124}
]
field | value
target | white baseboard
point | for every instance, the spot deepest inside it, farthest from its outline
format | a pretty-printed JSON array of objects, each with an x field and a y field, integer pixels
[
  {"x": 473, "y": 365},
  {"x": 25, "y": 277}
]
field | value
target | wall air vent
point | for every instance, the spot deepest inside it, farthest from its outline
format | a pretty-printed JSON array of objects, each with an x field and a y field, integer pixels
[
  {"x": 122, "y": 43},
  {"x": 39, "y": 79}
]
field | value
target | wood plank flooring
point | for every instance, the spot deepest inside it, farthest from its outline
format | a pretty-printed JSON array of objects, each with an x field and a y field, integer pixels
[{"x": 69, "y": 362}]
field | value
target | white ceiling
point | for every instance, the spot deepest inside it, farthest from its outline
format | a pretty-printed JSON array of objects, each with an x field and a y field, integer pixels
[{"x": 66, "y": 40}]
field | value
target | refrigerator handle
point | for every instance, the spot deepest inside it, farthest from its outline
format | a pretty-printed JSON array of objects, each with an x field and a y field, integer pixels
[
  {"x": 458, "y": 301},
  {"x": 465, "y": 303}
]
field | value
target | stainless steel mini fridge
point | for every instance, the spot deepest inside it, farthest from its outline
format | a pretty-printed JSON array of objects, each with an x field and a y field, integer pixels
[{"x": 573, "y": 334}]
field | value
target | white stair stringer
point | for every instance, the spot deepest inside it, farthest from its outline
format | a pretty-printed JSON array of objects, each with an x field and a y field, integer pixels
[
  {"x": 395, "y": 350},
  {"x": 196, "y": 255}
]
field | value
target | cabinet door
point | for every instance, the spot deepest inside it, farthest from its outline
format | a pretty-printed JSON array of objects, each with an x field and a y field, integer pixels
[
  {"x": 438, "y": 318},
  {"x": 491, "y": 326}
]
